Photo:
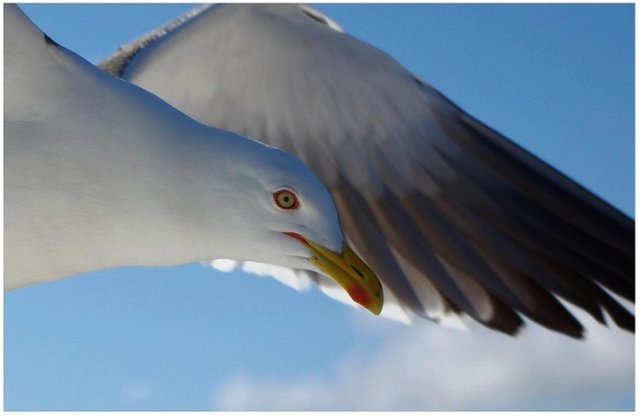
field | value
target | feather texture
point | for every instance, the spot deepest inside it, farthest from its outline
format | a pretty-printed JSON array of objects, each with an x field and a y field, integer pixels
[{"x": 452, "y": 216}]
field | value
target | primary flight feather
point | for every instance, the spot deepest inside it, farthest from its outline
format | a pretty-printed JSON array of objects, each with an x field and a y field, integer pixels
[{"x": 453, "y": 217}]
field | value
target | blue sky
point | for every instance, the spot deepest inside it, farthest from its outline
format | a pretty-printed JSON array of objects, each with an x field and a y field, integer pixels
[{"x": 558, "y": 79}]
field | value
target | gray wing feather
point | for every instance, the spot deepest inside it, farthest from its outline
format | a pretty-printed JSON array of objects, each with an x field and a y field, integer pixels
[{"x": 452, "y": 216}]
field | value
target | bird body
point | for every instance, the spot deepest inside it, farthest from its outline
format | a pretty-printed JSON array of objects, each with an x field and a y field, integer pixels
[{"x": 95, "y": 209}]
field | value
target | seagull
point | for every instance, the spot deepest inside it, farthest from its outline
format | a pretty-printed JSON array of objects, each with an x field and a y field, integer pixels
[
  {"x": 454, "y": 218},
  {"x": 100, "y": 173}
]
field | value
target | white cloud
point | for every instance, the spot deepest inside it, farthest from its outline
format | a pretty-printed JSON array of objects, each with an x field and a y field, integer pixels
[
  {"x": 432, "y": 368},
  {"x": 139, "y": 392}
]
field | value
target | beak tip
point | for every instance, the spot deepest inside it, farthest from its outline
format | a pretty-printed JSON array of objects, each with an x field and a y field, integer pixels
[
  {"x": 362, "y": 297},
  {"x": 376, "y": 309}
]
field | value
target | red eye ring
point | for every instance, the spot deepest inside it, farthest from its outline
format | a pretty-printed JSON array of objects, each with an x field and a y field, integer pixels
[{"x": 286, "y": 199}]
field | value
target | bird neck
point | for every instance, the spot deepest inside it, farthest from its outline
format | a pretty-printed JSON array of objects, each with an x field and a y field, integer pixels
[{"x": 116, "y": 199}]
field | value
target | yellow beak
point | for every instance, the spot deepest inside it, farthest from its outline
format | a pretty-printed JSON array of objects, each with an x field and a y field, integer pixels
[{"x": 349, "y": 271}]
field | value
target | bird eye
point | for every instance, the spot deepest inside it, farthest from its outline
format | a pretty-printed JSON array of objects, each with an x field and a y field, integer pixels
[{"x": 286, "y": 199}]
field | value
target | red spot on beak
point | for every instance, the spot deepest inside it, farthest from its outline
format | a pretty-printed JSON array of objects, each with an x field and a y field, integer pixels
[
  {"x": 359, "y": 295},
  {"x": 297, "y": 237}
]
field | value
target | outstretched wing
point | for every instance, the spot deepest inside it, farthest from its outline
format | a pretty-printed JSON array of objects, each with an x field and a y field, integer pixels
[{"x": 452, "y": 216}]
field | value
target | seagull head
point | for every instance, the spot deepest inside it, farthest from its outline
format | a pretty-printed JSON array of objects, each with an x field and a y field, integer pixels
[{"x": 286, "y": 217}]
